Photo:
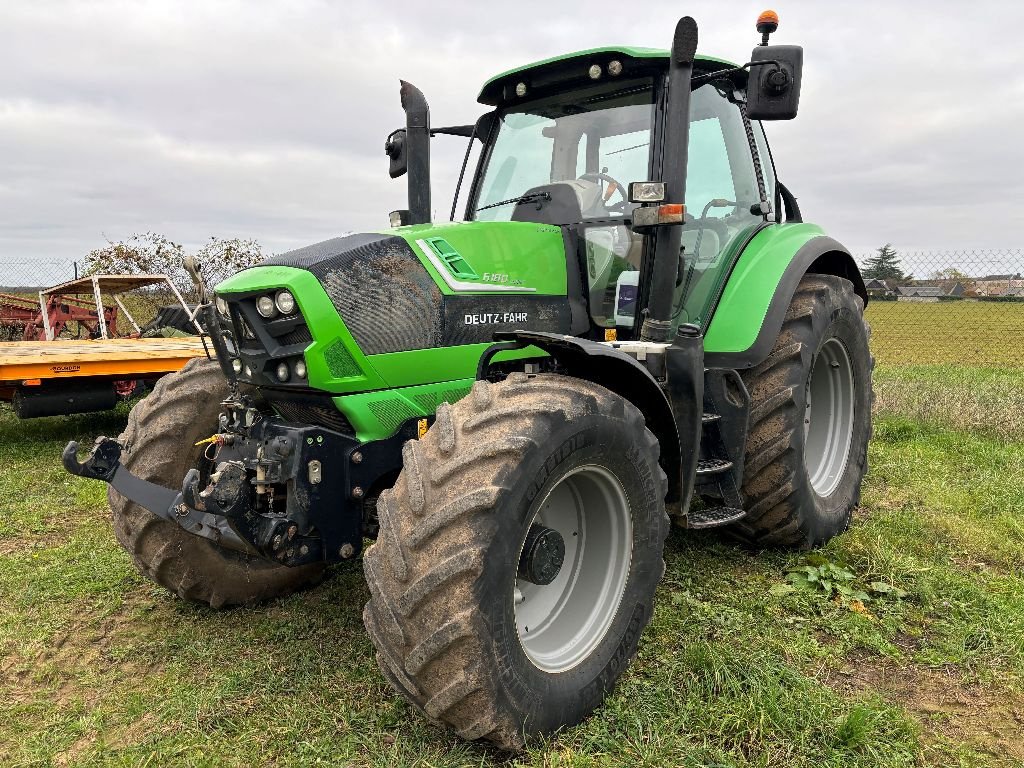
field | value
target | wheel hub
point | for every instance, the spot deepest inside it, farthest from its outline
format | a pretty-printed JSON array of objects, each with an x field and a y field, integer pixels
[
  {"x": 573, "y": 568},
  {"x": 829, "y": 419},
  {"x": 543, "y": 555}
]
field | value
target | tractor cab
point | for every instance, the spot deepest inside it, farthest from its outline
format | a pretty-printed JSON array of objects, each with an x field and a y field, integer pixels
[
  {"x": 576, "y": 141},
  {"x": 569, "y": 159}
]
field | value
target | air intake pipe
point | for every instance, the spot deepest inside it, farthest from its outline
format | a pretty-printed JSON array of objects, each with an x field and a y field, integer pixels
[
  {"x": 417, "y": 151},
  {"x": 675, "y": 130}
]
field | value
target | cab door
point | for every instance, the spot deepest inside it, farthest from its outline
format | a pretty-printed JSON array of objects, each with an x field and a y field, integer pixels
[{"x": 722, "y": 188}]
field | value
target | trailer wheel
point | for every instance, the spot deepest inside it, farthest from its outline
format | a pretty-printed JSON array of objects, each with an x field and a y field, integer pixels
[
  {"x": 810, "y": 420},
  {"x": 159, "y": 440},
  {"x": 518, "y": 557}
]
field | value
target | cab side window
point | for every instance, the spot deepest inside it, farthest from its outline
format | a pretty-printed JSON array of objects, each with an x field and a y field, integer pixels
[{"x": 721, "y": 187}]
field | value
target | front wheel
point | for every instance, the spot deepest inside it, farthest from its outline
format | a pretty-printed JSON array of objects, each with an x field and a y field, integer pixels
[
  {"x": 160, "y": 446},
  {"x": 518, "y": 557}
]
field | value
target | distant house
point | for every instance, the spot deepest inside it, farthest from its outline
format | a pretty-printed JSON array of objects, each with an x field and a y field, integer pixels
[
  {"x": 998, "y": 285},
  {"x": 880, "y": 289},
  {"x": 933, "y": 292}
]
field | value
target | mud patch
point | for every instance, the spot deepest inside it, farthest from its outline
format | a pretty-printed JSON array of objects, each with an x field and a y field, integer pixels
[
  {"x": 64, "y": 667},
  {"x": 950, "y": 709}
]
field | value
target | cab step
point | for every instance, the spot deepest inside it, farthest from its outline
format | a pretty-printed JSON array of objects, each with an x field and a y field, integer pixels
[
  {"x": 712, "y": 518},
  {"x": 707, "y": 467}
]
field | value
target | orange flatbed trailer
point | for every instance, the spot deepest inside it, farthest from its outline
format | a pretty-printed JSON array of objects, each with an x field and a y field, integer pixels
[
  {"x": 123, "y": 358},
  {"x": 70, "y": 372}
]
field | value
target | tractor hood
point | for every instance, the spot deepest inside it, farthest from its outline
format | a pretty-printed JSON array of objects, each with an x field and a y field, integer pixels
[{"x": 364, "y": 297}]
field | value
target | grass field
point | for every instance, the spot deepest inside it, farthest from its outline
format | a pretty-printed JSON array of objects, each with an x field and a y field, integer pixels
[
  {"x": 975, "y": 333},
  {"x": 743, "y": 664}
]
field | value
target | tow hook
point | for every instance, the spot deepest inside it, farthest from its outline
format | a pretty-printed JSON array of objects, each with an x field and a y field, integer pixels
[{"x": 101, "y": 464}]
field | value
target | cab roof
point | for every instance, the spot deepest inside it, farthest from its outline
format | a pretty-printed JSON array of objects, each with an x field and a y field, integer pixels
[{"x": 572, "y": 68}]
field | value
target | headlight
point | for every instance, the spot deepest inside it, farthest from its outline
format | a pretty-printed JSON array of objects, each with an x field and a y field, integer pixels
[
  {"x": 285, "y": 302},
  {"x": 265, "y": 306},
  {"x": 222, "y": 307},
  {"x": 236, "y": 365},
  {"x": 300, "y": 369},
  {"x": 282, "y": 372}
]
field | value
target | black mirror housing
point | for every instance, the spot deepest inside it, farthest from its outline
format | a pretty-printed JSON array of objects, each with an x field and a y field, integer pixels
[
  {"x": 394, "y": 148},
  {"x": 773, "y": 89}
]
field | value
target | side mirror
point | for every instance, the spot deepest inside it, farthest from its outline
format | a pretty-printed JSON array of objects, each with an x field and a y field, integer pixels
[
  {"x": 773, "y": 87},
  {"x": 395, "y": 149}
]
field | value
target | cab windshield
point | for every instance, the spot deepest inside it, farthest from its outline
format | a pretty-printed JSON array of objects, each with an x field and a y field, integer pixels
[{"x": 599, "y": 136}]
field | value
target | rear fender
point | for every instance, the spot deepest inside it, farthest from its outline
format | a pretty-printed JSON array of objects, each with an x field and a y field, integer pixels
[{"x": 758, "y": 292}]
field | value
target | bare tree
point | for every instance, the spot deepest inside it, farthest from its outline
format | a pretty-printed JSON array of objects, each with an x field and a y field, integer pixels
[{"x": 153, "y": 253}]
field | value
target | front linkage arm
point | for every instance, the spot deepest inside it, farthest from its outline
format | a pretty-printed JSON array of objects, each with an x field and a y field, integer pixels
[{"x": 104, "y": 463}]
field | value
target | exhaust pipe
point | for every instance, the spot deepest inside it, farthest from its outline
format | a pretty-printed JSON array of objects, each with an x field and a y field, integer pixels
[
  {"x": 675, "y": 137},
  {"x": 417, "y": 151}
]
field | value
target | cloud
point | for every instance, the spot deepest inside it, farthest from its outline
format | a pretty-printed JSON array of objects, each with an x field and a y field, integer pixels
[{"x": 267, "y": 120}]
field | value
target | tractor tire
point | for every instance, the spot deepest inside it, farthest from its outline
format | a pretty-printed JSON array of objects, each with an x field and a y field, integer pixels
[
  {"x": 159, "y": 447},
  {"x": 810, "y": 421},
  {"x": 449, "y": 596}
]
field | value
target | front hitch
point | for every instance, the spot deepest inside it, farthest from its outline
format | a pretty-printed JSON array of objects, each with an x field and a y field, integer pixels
[
  {"x": 104, "y": 463},
  {"x": 101, "y": 464}
]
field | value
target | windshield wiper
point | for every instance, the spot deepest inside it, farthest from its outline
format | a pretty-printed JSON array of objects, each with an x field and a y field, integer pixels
[
  {"x": 539, "y": 197},
  {"x": 626, "y": 149}
]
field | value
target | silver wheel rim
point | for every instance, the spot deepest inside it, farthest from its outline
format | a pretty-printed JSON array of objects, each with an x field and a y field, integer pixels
[
  {"x": 828, "y": 418},
  {"x": 561, "y": 623}
]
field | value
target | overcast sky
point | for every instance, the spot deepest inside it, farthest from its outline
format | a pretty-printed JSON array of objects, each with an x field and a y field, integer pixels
[{"x": 267, "y": 120}]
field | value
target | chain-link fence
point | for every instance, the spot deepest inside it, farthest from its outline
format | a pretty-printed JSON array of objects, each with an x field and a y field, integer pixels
[
  {"x": 946, "y": 307},
  {"x": 54, "y": 299},
  {"x": 927, "y": 307}
]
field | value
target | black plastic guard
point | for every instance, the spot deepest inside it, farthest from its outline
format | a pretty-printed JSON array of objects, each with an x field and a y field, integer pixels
[
  {"x": 684, "y": 367},
  {"x": 673, "y": 408}
]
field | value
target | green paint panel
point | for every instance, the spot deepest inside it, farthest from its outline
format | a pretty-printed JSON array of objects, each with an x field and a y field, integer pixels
[
  {"x": 423, "y": 366},
  {"x": 752, "y": 285},
  {"x": 504, "y": 253},
  {"x": 376, "y": 415}
]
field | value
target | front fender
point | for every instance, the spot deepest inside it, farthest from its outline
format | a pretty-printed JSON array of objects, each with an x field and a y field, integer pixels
[
  {"x": 748, "y": 317},
  {"x": 673, "y": 416}
]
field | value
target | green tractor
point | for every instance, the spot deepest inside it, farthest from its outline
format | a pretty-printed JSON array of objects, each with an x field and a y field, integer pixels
[{"x": 632, "y": 323}]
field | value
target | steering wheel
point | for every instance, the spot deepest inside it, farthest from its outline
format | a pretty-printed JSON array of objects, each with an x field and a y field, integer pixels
[{"x": 613, "y": 186}]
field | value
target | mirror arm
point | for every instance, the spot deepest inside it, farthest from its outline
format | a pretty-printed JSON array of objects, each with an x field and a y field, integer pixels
[{"x": 701, "y": 79}]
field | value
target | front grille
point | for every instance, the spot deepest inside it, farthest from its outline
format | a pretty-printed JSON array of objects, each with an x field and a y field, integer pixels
[
  {"x": 309, "y": 410},
  {"x": 387, "y": 299},
  {"x": 299, "y": 335}
]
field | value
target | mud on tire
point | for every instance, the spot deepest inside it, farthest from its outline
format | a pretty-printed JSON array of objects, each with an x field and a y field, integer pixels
[
  {"x": 162, "y": 430},
  {"x": 783, "y": 506},
  {"x": 442, "y": 573}
]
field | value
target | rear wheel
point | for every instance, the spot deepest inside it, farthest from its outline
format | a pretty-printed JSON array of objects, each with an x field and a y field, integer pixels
[
  {"x": 159, "y": 447},
  {"x": 810, "y": 420},
  {"x": 518, "y": 557}
]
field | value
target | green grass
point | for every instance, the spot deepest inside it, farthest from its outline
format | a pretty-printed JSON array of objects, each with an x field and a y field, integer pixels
[
  {"x": 100, "y": 667},
  {"x": 977, "y": 333}
]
